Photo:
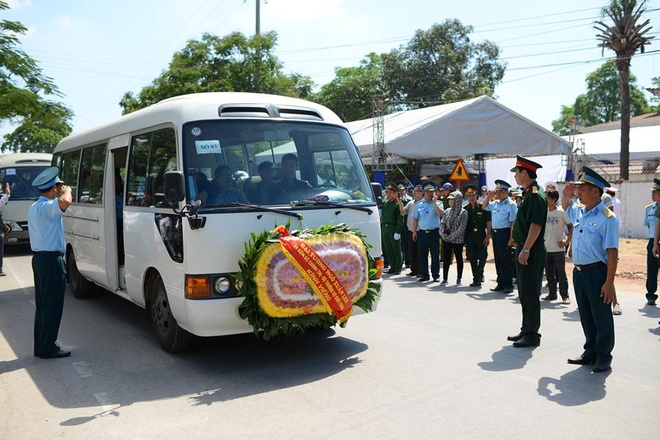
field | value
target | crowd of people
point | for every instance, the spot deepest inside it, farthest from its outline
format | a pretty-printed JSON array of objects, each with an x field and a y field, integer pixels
[{"x": 533, "y": 229}]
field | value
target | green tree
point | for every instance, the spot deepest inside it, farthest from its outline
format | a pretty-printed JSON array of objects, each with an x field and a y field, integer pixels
[
  {"x": 624, "y": 36},
  {"x": 601, "y": 102},
  {"x": 656, "y": 94},
  {"x": 41, "y": 123},
  {"x": 351, "y": 93},
  {"x": 441, "y": 65},
  {"x": 234, "y": 63}
]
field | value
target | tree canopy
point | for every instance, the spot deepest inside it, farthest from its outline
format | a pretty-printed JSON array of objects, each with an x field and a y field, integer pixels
[
  {"x": 41, "y": 123},
  {"x": 601, "y": 102},
  {"x": 222, "y": 64}
]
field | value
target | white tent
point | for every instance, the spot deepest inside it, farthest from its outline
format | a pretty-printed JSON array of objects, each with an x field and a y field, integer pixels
[{"x": 476, "y": 126}]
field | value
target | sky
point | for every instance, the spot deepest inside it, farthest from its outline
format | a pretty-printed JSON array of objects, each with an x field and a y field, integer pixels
[{"x": 97, "y": 50}]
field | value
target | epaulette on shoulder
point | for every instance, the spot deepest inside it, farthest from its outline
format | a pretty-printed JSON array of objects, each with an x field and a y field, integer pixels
[
  {"x": 607, "y": 212},
  {"x": 649, "y": 205},
  {"x": 535, "y": 190},
  {"x": 579, "y": 205}
]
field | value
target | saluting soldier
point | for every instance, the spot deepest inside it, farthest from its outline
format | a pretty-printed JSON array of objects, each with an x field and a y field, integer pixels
[
  {"x": 595, "y": 254},
  {"x": 426, "y": 232},
  {"x": 528, "y": 232},
  {"x": 477, "y": 235},
  {"x": 391, "y": 222},
  {"x": 650, "y": 221},
  {"x": 503, "y": 214}
]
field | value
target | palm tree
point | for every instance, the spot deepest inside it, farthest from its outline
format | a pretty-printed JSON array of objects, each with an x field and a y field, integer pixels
[{"x": 624, "y": 36}]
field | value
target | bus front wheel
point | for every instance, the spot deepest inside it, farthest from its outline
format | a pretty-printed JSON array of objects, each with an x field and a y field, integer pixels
[
  {"x": 80, "y": 286},
  {"x": 170, "y": 336}
]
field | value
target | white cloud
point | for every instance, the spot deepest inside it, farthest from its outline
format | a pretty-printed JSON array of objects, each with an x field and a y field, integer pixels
[
  {"x": 64, "y": 22},
  {"x": 18, "y": 4}
]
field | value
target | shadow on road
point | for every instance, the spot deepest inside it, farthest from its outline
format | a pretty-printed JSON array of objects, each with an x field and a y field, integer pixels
[{"x": 577, "y": 387}]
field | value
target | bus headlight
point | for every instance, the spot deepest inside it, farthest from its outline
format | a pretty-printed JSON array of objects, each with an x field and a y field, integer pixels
[
  {"x": 212, "y": 286},
  {"x": 222, "y": 285}
]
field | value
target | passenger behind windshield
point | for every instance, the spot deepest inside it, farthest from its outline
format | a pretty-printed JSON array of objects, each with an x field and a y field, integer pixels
[
  {"x": 220, "y": 189},
  {"x": 267, "y": 191},
  {"x": 289, "y": 180}
]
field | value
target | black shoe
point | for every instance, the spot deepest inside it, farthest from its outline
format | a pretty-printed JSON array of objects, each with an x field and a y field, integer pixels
[
  {"x": 422, "y": 279},
  {"x": 475, "y": 284},
  {"x": 391, "y": 271},
  {"x": 436, "y": 279},
  {"x": 497, "y": 289},
  {"x": 412, "y": 274},
  {"x": 515, "y": 338},
  {"x": 527, "y": 341},
  {"x": 601, "y": 367},
  {"x": 507, "y": 290},
  {"x": 581, "y": 360},
  {"x": 549, "y": 298},
  {"x": 56, "y": 354}
]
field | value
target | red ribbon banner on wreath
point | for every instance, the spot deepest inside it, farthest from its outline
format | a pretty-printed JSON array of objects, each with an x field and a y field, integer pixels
[{"x": 321, "y": 278}]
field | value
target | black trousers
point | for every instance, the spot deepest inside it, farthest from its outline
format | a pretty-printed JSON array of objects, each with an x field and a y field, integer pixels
[
  {"x": 447, "y": 250},
  {"x": 504, "y": 272},
  {"x": 651, "y": 272},
  {"x": 413, "y": 252},
  {"x": 429, "y": 242},
  {"x": 555, "y": 271},
  {"x": 49, "y": 285}
]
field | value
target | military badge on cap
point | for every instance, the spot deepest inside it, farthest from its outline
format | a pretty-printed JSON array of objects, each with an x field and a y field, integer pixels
[
  {"x": 551, "y": 186},
  {"x": 392, "y": 186},
  {"x": 527, "y": 164},
  {"x": 448, "y": 186},
  {"x": 429, "y": 186},
  {"x": 468, "y": 190},
  {"x": 47, "y": 178},
  {"x": 590, "y": 176}
]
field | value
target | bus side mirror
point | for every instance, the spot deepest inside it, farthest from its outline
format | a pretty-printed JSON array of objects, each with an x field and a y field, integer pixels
[
  {"x": 378, "y": 193},
  {"x": 174, "y": 186}
]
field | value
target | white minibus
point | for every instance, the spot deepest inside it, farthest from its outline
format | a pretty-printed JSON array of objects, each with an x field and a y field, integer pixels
[
  {"x": 19, "y": 170},
  {"x": 168, "y": 200}
]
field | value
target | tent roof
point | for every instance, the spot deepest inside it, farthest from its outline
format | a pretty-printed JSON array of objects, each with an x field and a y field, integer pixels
[{"x": 476, "y": 126}]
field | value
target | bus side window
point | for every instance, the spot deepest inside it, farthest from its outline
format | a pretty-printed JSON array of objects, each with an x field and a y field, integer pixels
[
  {"x": 151, "y": 155},
  {"x": 137, "y": 169},
  {"x": 91, "y": 175}
]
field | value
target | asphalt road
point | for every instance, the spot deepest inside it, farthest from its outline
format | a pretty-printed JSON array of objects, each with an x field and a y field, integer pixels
[{"x": 430, "y": 363}]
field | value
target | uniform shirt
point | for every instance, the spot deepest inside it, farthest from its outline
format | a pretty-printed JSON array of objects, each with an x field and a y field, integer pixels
[
  {"x": 650, "y": 220},
  {"x": 4, "y": 199},
  {"x": 391, "y": 215},
  {"x": 503, "y": 213},
  {"x": 477, "y": 219},
  {"x": 426, "y": 215},
  {"x": 532, "y": 209},
  {"x": 555, "y": 225},
  {"x": 46, "y": 229},
  {"x": 598, "y": 231},
  {"x": 574, "y": 211}
]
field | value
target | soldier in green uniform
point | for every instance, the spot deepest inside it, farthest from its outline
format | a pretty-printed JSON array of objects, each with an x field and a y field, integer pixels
[
  {"x": 477, "y": 235},
  {"x": 391, "y": 222},
  {"x": 528, "y": 232}
]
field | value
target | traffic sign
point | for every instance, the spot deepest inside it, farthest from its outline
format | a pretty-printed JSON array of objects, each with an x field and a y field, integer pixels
[{"x": 459, "y": 174}]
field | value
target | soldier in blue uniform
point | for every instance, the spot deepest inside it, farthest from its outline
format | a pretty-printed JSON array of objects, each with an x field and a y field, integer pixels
[
  {"x": 650, "y": 221},
  {"x": 503, "y": 214},
  {"x": 595, "y": 254},
  {"x": 528, "y": 232},
  {"x": 47, "y": 242},
  {"x": 426, "y": 232},
  {"x": 477, "y": 235}
]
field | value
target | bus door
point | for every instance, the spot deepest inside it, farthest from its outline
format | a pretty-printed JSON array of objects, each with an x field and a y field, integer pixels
[{"x": 115, "y": 184}]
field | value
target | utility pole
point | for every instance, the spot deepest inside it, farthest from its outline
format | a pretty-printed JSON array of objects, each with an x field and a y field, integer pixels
[
  {"x": 378, "y": 153},
  {"x": 258, "y": 24}
]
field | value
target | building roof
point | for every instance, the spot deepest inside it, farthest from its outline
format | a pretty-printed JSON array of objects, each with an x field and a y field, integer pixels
[{"x": 644, "y": 120}]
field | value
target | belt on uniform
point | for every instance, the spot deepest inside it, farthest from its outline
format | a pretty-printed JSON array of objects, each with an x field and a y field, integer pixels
[
  {"x": 58, "y": 253},
  {"x": 428, "y": 231},
  {"x": 501, "y": 230},
  {"x": 583, "y": 267}
]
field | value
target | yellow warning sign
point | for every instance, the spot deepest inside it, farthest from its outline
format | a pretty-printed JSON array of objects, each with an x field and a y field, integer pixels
[{"x": 459, "y": 174}]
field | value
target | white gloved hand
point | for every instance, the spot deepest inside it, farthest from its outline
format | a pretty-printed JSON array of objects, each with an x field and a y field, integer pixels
[{"x": 397, "y": 236}]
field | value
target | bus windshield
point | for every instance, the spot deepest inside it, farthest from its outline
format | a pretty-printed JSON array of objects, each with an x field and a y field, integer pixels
[
  {"x": 20, "y": 181},
  {"x": 271, "y": 163}
]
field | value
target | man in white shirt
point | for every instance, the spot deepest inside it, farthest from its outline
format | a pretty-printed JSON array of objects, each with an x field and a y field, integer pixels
[{"x": 556, "y": 242}]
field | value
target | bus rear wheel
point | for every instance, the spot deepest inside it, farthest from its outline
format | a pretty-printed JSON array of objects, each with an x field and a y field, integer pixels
[
  {"x": 80, "y": 286},
  {"x": 170, "y": 336}
]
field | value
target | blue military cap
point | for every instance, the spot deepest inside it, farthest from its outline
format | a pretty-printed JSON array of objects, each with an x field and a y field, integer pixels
[
  {"x": 656, "y": 184},
  {"x": 47, "y": 178},
  {"x": 501, "y": 184},
  {"x": 428, "y": 186},
  {"x": 590, "y": 176}
]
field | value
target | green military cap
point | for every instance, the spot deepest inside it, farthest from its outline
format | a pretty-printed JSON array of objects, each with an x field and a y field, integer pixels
[
  {"x": 526, "y": 164},
  {"x": 590, "y": 176},
  {"x": 469, "y": 190},
  {"x": 392, "y": 186}
]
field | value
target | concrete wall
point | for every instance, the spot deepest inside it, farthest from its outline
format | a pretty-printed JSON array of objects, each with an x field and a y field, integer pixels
[{"x": 634, "y": 195}]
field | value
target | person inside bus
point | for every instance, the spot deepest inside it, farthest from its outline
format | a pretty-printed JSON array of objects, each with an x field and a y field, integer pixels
[
  {"x": 289, "y": 180},
  {"x": 220, "y": 189},
  {"x": 266, "y": 192}
]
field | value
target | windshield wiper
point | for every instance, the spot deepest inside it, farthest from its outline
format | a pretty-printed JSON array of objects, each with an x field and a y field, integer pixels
[
  {"x": 258, "y": 207},
  {"x": 325, "y": 201}
]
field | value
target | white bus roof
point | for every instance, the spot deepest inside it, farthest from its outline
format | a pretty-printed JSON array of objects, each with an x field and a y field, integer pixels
[
  {"x": 202, "y": 106},
  {"x": 25, "y": 159}
]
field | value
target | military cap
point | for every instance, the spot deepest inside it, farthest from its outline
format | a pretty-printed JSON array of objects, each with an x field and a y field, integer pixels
[
  {"x": 501, "y": 184},
  {"x": 392, "y": 186},
  {"x": 47, "y": 178},
  {"x": 400, "y": 184},
  {"x": 526, "y": 164},
  {"x": 551, "y": 185},
  {"x": 448, "y": 186},
  {"x": 611, "y": 190},
  {"x": 428, "y": 186},
  {"x": 469, "y": 189},
  {"x": 656, "y": 184},
  {"x": 590, "y": 176}
]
